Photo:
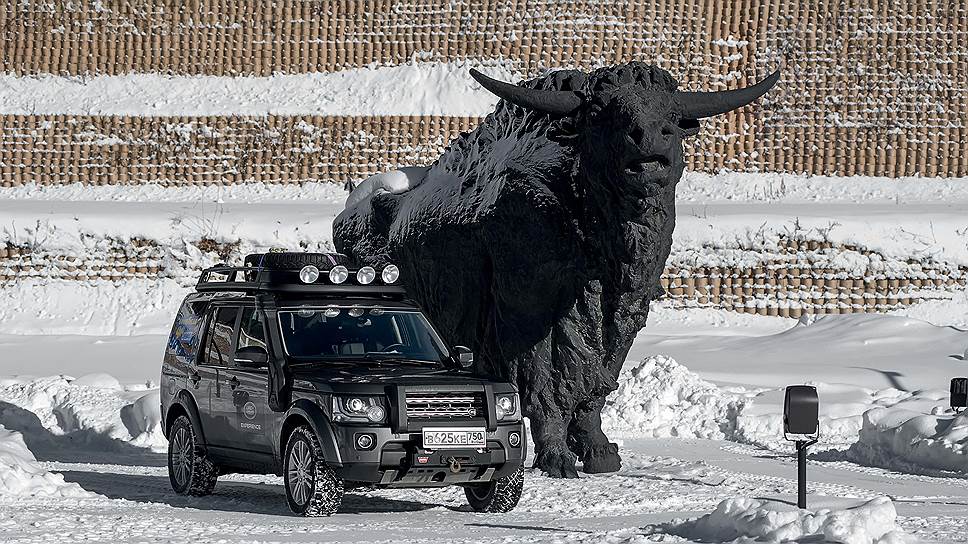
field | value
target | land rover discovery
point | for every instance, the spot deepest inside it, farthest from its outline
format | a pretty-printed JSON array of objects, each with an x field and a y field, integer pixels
[{"x": 301, "y": 365}]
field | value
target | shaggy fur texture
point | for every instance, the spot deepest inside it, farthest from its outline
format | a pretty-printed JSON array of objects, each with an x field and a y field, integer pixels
[{"x": 538, "y": 241}]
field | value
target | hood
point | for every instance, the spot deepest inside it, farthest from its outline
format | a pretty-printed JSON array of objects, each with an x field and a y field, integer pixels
[{"x": 322, "y": 377}]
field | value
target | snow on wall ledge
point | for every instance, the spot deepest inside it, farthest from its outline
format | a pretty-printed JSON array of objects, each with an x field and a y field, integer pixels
[{"x": 426, "y": 88}]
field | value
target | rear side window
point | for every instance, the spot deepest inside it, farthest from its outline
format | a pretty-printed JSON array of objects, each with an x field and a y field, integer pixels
[
  {"x": 218, "y": 342},
  {"x": 185, "y": 333}
]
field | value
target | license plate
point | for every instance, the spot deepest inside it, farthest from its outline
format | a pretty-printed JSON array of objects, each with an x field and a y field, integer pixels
[{"x": 440, "y": 438}]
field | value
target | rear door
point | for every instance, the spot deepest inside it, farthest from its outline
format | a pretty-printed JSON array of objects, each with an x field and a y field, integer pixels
[
  {"x": 216, "y": 356},
  {"x": 245, "y": 387}
]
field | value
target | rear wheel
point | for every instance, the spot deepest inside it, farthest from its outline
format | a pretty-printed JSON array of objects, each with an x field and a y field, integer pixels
[
  {"x": 499, "y": 496},
  {"x": 312, "y": 488},
  {"x": 189, "y": 470}
]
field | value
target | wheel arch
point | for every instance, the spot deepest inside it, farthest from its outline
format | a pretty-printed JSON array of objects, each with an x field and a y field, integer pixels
[
  {"x": 305, "y": 412},
  {"x": 184, "y": 404}
]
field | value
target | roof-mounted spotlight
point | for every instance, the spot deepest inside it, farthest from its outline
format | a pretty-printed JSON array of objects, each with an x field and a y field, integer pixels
[
  {"x": 390, "y": 273},
  {"x": 365, "y": 275},
  {"x": 338, "y": 274},
  {"x": 309, "y": 274}
]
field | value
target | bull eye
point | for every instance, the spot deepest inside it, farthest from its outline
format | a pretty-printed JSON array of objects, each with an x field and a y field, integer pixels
[{"x": 689, "y": 127}]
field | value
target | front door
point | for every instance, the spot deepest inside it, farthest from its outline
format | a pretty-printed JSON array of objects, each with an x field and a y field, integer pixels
[{"x": 245, "y": 388}]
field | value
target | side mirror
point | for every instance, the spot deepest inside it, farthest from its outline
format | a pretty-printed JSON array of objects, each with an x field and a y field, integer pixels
[
  {"x": 464, "y": 356},
  {"x": 252, "y": 357}
]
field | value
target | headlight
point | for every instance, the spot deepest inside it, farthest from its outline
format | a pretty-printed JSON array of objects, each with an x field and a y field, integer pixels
[
  {"x": 359, "y": 409},
  {"x": 506, "y": 407}
]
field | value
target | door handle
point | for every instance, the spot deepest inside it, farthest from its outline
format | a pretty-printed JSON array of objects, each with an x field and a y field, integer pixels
[{"x": 234, "y": 382}]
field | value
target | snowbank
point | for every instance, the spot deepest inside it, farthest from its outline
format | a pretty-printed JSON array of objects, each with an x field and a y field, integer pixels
[
  {"x": 913, "y": 435},
  {"x": 753, "y": 520},
  {"x": 21, "y": 474},
  {"x": 658, "y": 397},
  {"x": 93, "y": 412}
]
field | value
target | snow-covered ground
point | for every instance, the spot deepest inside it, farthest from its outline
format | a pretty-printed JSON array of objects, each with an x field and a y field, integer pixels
[{"x": 697, "y": 413}]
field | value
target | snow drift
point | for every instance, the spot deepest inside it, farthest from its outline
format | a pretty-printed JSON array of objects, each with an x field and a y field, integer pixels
[
  {"x": 913, "y": 435},
  {"x": 59, "y": 413},
  {"x": 753, "y": 520},
  {"x": 21, "y": 474},
  {"x": 658, "y": 398}
]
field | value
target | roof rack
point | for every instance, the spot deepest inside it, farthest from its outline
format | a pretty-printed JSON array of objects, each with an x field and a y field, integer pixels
[{"x": 276, "y": 280}]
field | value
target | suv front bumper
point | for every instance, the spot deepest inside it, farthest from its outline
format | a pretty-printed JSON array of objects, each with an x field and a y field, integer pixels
[{"x": 399, "y": 459}]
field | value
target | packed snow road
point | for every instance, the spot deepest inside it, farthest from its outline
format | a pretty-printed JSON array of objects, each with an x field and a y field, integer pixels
[{"x": 662, "y": 480}]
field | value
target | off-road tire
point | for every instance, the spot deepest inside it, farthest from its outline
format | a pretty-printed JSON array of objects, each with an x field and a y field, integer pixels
[
  {"x": 197, "y": 475},
  {"x": 294, "y": 260},
  {"x": 324, "y": 494},
  {"x": 496, "y": 497}
]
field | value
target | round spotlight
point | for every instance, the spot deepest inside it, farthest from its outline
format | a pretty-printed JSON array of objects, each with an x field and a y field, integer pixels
[
  {"x": 390, "y": 273},
  {"x": 514, "y": 439},
  {"x": 356, "y": 405},
  {"x": 366, "y": 275},
  {"x": 355, "y": 312},
  {"x": 338, "y": 274},
  {"x": 331, "y": 312},
  {"x": 376, "y": 413},
  {"x": 308, "y": 274},
  {"x": 364, "y": 441}
]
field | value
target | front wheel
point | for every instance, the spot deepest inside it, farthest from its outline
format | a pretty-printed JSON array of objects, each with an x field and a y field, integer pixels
[
  {"x": 312, "y": 488},
  {"x": 496, "y": 497},
  {"x": 189, "y": 470}
]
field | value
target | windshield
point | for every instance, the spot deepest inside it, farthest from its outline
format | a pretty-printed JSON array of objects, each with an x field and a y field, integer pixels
[{"x": 349, "y": 333}]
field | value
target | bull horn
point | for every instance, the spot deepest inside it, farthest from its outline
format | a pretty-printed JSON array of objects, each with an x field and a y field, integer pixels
[
  {"x": 554, "y": 102},
  {"x": 699, "y": 105}
]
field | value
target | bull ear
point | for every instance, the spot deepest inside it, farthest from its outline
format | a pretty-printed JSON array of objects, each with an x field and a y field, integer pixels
[
  {"x": 699, "y": 105},
  {"x": 553, "y": 102}
]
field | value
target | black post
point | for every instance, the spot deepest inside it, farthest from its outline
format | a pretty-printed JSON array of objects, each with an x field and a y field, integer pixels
[{"x": 801, "y": 474}]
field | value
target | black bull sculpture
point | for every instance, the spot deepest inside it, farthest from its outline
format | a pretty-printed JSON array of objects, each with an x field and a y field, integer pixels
[{"x": 538, "y": 238}]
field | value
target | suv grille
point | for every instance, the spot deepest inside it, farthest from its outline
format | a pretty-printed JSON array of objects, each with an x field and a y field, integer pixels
[{"x": 445, "y": 405}]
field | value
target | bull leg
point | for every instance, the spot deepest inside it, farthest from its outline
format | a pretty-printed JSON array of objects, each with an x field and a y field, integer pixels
[
  {"x": 551, "y": 452},
  {"x": 587, "y": 440}
]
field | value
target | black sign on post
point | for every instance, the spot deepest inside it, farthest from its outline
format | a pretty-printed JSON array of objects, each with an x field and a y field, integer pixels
[
  {"x": 959, "y": 393},
  {"x": 801, "y": 424}
]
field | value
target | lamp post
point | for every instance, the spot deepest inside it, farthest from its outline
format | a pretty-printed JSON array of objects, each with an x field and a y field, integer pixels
[{"x": 801, "y": 424}]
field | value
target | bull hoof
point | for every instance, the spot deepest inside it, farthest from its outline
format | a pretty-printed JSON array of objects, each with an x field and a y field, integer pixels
[
  {"x": 557, "y": 463},
  {"x": 602, "y": 458}
]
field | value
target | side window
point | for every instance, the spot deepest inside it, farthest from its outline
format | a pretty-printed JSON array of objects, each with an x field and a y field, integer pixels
[
  {"x": 252, "y": 333},
  {"x": 183, "y": 340},
  {"x": 218, "y": 343}
]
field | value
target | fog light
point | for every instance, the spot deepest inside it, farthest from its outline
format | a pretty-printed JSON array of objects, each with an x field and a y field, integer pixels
[
  {"x": 390, "y": 273},
  {"x": 365, "y": 275},
  {"x": 308, "y": 274},
  {"x": 376, "y": 413},
  {"x": 338, "y": 274},
  {"x": 365, "y": 441},
  {"x": 514, "y": 439}
]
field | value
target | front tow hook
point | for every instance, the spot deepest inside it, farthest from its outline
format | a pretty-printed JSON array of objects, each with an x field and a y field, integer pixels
[{"x": 454, "y": 464}]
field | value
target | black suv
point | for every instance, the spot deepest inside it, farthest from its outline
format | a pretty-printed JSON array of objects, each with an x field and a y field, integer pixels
[{"x": 300, "y": 365}]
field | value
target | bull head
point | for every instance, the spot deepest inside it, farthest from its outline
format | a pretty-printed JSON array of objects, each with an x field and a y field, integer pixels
[{"x": 630, "y": 120}]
